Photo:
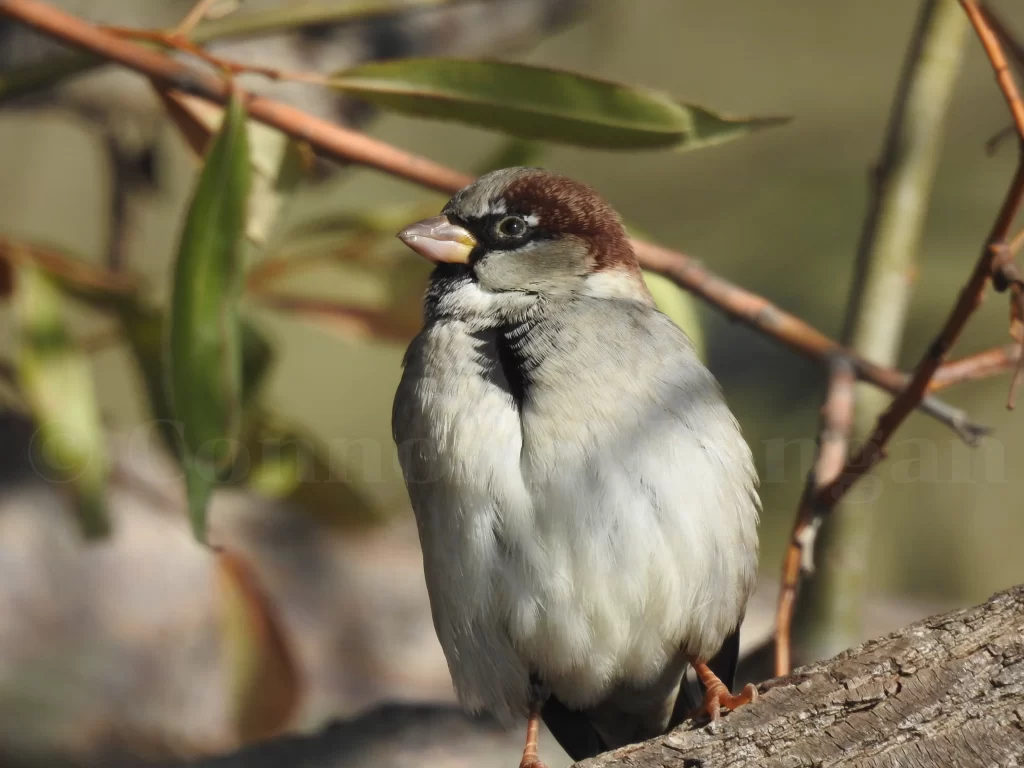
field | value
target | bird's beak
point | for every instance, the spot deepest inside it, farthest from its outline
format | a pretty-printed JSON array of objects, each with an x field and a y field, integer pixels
[{"x": 439, "y": 240}]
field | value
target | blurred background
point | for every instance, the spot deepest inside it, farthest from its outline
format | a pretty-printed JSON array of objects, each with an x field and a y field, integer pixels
[{"x": 119, "y": 648}]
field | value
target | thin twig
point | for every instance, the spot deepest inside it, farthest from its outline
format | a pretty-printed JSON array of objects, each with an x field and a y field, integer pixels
[
  {"x": 381, "y": 324},
  {"x": 831, "y": 612},
  {"x": 274, "y": 268},
  {"x": 196, "y": 15},
  {"x": 1009, "y": 42},
  {"x": 351, "y": 146},
  {"x": 879, "y": 298},
  {"x": 763, "y": 316},
  {"x": 833, "y": 439},
  {"x": 181, "y": 44},
  {"x": 75, "y": 272},
  {"x": 981, "y": 365},
  {"x": 971, "y": 296},
  {"x": 983, "y": 22}
]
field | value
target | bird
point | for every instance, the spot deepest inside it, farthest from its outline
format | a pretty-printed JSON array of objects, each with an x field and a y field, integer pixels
[{"x": 586, "y": 504}]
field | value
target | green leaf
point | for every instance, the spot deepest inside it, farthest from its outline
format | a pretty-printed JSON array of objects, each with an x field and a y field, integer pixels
[
  {"x": 53, "y": 70},
  {"x": 57, "y": 384},
  {"x": 678, "y": 305},
  {"x": 204, "y": 339},
  {"x": 45, "y": 74},
  {"x": 283, "y": 460},
  {"x": 287, "y": 16},
  {"x": 539, "y": 103},
  {"x": 144, "y": 328},
  {"x": 279, "y": 163}
]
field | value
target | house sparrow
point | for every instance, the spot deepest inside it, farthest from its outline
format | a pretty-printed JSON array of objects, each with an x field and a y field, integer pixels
[{"x": 586, "y": 505}]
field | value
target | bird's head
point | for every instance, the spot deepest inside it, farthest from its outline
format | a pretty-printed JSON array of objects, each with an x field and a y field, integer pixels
[{"x": 526, "y": 230}]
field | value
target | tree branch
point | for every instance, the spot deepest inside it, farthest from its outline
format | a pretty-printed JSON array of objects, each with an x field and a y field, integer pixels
[
  {"x": 350, "y": 146},
  {"x": 945, "y": 691},
  {"x": 981, "y": 365},
  {"x": 971, "y": 296},
  {"x": 830, "y": 613},
  {"x": 833, "y": 439}
]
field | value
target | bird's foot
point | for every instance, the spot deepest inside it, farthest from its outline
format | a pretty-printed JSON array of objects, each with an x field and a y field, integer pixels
[
  {"x": 718, "y": 698},
  {"x": 530, "y": 758}
]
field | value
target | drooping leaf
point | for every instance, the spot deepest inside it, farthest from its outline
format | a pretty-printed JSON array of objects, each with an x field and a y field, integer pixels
[
  {"x": 50, "y": 72},
  {"x": 57, "y": 383},
  {"x": 540, "y": 103},
  {"x": 144, "y": 328},
  {"x": 41, "y": 75},
  {"x": 265, "y": 683},
  {"x": 204, "y": 339},
  {"x": 279, "y": 164},
  {"x": 678, "y": 305},
  {"x": 285, "y": 461},
  {"x": 141, "y": 322},
  {"x": 673, "y": 300},
  {"x": 282, "y": 18}
]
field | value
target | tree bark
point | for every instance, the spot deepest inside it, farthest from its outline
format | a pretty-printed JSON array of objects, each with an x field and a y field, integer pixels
[{"x": 947, "y": 691}]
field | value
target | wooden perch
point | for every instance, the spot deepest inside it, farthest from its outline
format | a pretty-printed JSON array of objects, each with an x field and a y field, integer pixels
[{"x": 947, "y": 691}]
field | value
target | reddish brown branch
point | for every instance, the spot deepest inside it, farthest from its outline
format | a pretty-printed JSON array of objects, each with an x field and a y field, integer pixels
[
  {"x": 177, "y": 42},
  {"x": 381, "y": 324},
  {"x": 833, "y": 439},
  {"x": 194, "y": 16},
  {"x": 971, "y": 296},
  {"x": 982, "y": 365},
  {"x": 350, "y": 146}
]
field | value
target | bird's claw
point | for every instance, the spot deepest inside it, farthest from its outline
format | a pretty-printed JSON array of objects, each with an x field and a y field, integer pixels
[
  {"x": 531, "y": 764},
  {"x": 718, "y": 698}
]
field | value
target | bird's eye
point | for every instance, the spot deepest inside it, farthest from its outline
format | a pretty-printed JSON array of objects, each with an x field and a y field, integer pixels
[{"x": 511, "y": 226}]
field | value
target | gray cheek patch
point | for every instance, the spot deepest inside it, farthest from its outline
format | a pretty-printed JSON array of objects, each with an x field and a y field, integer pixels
[{"x": 540, "y": 265}]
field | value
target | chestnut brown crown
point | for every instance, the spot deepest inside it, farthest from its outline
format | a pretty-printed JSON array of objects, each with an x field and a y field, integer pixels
[{"x": 553, "y": 206}]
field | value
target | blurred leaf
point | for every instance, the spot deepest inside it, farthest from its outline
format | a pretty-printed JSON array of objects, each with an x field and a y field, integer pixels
[
  {"x": 383, "y": 324},
  {"x": 74, "y": 275},
  {"x": 52, "y": 71},
  {"x": 511, "y": 153},
  {"x": 678, "y": 305},
  {"x": 205, "y": 350},
  {"x": 283, "y": 17},
  {"x": 143, "y": 327},
  {"x": 44, "y": 74},
  {"x": 57, "y": 383},
  {"x": 539, "y": 103},
  {"x": 285, "y": 461},
  {"x": 265, "y": 684},
  {"x": 141, "y": 323},
  {"x": 279, "y": 163}
]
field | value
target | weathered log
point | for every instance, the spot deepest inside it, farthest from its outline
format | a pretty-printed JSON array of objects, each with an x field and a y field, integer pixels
[{"x": 947, "y": 691}]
